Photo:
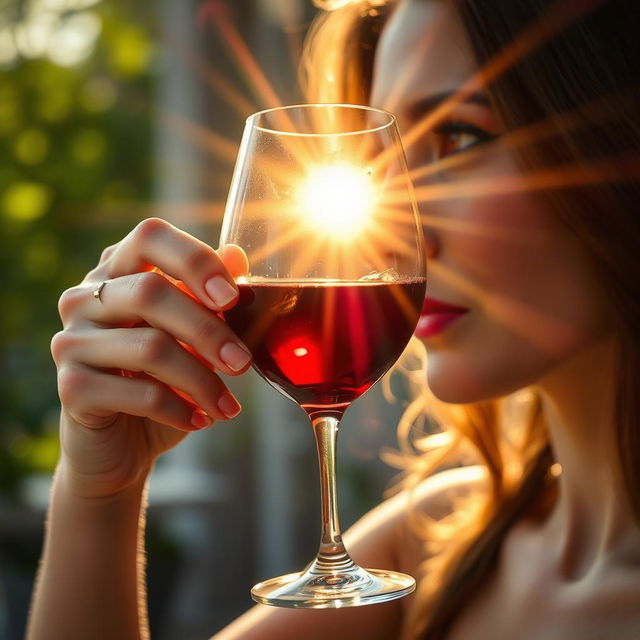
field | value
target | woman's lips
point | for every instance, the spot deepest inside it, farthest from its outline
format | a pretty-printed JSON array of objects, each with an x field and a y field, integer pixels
[{"x": 436, "y": 316}]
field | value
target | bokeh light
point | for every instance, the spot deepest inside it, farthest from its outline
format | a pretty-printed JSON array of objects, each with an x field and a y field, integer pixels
[
  {"x": 26, "y": 201},
  {"x": 31, "y": 146}
]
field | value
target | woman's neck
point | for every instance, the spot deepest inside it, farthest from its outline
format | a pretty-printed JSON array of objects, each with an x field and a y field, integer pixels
[{"x": 592, "y": 521}]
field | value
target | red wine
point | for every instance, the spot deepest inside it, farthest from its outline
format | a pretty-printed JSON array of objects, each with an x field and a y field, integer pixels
[{"x": 323, "y": 344}]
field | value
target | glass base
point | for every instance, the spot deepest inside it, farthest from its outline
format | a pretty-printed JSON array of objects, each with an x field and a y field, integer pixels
[{"x": 353, "y": 587}]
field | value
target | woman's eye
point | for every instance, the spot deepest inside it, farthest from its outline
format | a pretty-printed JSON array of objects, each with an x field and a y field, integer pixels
[{"x": 453, "y": 137}]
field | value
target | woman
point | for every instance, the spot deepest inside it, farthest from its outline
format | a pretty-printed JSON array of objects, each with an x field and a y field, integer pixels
[{"x": 541, "y": 539}]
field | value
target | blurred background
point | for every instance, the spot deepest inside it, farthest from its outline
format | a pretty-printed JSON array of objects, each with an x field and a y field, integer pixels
[{"x": 112, "y": 111}]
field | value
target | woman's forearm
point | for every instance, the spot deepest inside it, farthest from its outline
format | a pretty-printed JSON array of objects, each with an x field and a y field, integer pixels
[{"x": 91, "y": 580}]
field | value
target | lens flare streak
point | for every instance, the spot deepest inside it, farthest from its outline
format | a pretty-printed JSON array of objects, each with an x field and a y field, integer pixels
[
  {"x": 214, "y": 80},
  {"x": 200, "y": 135},
  {"x": 558, "y": 17},
  {"x": 217, "y": 14},
  {"x": 597, "y": 112},
  {"x": 617, "y": 169},
  {"x": 521, "y": 318}
]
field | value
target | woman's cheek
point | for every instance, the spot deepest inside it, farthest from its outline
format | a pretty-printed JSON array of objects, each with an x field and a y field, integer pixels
[{"x": 532, "y": 295}]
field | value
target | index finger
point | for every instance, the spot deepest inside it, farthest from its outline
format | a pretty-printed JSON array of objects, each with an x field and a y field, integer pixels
[{"x": 157, "y": 244}]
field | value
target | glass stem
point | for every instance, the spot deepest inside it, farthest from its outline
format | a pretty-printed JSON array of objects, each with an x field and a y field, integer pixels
[{"x": 332, "y": 556}]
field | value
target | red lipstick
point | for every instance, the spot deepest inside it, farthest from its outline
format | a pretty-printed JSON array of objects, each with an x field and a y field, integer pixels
[{"x": 436, "y": 316}]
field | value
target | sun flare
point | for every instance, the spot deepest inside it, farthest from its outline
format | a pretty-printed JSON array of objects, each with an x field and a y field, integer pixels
[{"x": 338, "y": 200}]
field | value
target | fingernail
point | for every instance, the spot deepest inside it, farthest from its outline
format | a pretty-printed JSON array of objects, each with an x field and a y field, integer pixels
[
  {"x": 235, "y": 356},
  {"x": 228, "y": 405},
  {"x": 220, "y": 290},
  {"x": 200, "y": 419}
]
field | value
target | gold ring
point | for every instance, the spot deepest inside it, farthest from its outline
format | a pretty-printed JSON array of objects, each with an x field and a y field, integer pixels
[{"x": 98, "y": 291}]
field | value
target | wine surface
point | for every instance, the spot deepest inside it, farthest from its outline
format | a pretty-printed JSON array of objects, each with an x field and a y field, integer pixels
[{"x": 323, "y": 344}]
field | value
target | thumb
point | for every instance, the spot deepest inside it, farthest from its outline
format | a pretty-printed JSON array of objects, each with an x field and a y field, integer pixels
[{"x": 234, "y": 259}]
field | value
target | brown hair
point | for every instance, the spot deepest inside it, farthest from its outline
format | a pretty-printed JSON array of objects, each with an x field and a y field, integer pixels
[{"x": 596, "y": 55}]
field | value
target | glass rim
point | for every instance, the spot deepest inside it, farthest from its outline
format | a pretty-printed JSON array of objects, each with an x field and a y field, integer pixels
[{"x": 356, "y": 107}]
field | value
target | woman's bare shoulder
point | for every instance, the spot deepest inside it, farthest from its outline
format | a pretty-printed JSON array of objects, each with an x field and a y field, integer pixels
[
  {"x": 434, "y": 497},
  {"x": 437, "y": 494},
  {"x": 387, "y": 536}
]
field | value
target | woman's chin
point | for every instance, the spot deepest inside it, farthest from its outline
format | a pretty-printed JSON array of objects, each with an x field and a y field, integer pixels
[
  {"x": 464, "y": 387},
  {"x": 455, "y": 394}
]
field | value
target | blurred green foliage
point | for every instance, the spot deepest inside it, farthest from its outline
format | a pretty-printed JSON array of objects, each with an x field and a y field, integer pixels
[{"x": 75, "y": 172}]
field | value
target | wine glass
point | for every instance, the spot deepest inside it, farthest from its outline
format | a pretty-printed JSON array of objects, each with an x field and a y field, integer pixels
[{"x": 322, "y": 205}]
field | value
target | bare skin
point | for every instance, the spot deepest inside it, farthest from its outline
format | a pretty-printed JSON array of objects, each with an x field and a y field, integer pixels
[{"x": 574, "y": 575}]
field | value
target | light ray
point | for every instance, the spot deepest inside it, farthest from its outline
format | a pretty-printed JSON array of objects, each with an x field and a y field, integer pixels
[
  {"x": 268, "y": 249},
  {"x": 410, "y": 67},
  {"x": 290, "y": 18},
  {"x": 357, "y": 328},
  {"x": 200, "y": 135},
  {"x": 559, "y": 16},
  {"x": 196, "y": 212},
  {"x": 115, "y": 213},
  {"x": 295, "y": 41},
  {"x": 485, "y": 229},
  {"x": 397, "y": 215},
  {"x": 482, "y": 229},
  {"x": 329, "y": 329},
  {"x": 259, "y": 209},
  {"x": 598, "y": 111},
  {"x": 374, "y": 258},
  {"x": 210, "y": 76},
  {"x": 336, "y": 257},
  {"x": 618, "y": 169},
  {"x": 530, "y": 322},
  {"x": 522, "y": 319},
  {"x": 380, "y": 265},
  {"x": 306, "y": 257},
  {"x": 457, "y": 281},
  {"x": 217, "y": 13},
  {"x": 387, "y": 239}
]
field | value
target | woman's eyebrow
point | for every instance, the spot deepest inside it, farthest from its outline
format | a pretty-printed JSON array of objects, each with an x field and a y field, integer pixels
[{"x": 424, "y": 106}]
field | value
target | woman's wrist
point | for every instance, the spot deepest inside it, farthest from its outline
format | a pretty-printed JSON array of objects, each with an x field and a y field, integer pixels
[
  {"x": 95, "y": 490},
  {"x": 92, "y": 576}
]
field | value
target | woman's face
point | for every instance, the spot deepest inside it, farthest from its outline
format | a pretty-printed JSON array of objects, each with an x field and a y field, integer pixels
[{"x": 524, "y": 295}]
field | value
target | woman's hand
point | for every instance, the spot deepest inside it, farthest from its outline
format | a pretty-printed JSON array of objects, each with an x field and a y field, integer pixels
[{"x": 136, "y": 364}]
